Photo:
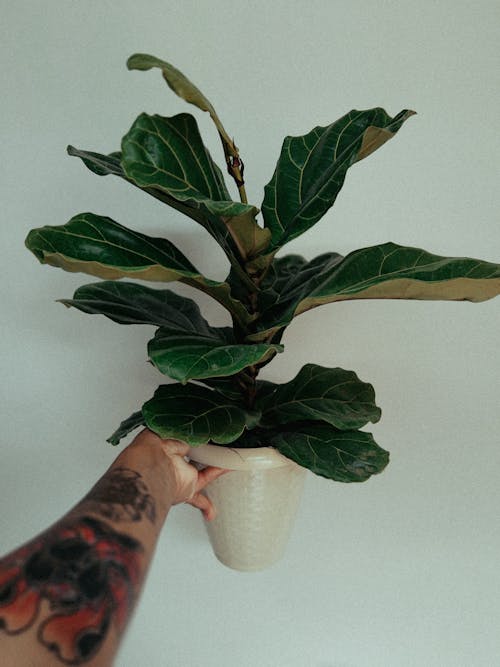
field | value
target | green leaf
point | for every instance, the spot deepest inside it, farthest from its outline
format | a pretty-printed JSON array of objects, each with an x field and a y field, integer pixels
[
  {"x": 129, "y": 303},
  {"x": 168, "y": 154},
  {"x": 387, "y": 271},
  {"x": 126, "y": 427},
  {"x": 101, "y": 247},
  {"x": 344, "y": 456},
  {"x": 102, "y": 165},
  {"x": 332, "y": 395},
  {"x": 180, "y": 84},
  {"x": 227, "y": 386},
  {"x": 196, "y": 415},
  {"x": 208, "y": 352},
  {"x": 257, "y": 437},
  {"x": 230, "y": 388},
  {"x": 185, "y": 347},
  {"x": 289, "y": 273},
  {"x": 240, "y": 234},
  {"x": 312, "y": 168}
]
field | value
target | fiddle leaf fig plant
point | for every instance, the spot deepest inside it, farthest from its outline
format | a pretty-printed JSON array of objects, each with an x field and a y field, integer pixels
[{"x": 216, "y": 395}]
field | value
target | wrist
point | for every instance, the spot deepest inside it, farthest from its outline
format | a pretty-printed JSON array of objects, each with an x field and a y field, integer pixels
[{"x": 155, "y": 468}]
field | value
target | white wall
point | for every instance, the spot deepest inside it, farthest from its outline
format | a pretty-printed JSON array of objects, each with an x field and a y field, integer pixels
[{"x": 400, "y": 571}]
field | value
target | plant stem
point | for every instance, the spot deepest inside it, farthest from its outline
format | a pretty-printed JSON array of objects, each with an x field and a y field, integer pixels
[
  {"x": 246, "y": 378},
  {"x": 235, "y": 166},
  {"x": 247, "y": 381},
  {"x": 252, "y": 389}
]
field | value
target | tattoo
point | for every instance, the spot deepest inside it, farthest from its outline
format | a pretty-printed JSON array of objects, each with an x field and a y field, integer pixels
[
  {"x": 87, "y": 572},
  {"x": 121, "y": 495}
]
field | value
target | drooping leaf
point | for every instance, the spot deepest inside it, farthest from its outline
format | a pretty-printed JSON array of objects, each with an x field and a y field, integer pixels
[
  {"x": 168, "y": 154},
  {"x": 126, "y": 427},
  {"x": 240, "y": 234},
  {"x": 312, "y": 168},
  {"x": 344, "y": 456},
  {"x": 102, "y": 165},
  {"x": 111, "y": 164},
  {"x": 196, "y": 415},
  {"x": 387, "y": 271},
  {"x": 101, "y": 247},
  {"x": 130, "y": 303},
  {"x": 331, "y": 395},
  {"x": 180, "y": 84},
  {"x": 209, "y": 352}
]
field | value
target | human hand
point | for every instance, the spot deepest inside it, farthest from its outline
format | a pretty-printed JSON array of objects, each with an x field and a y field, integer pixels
[
  {"x": 183, "y": 480},
  {"x": 189, "y": 480}
]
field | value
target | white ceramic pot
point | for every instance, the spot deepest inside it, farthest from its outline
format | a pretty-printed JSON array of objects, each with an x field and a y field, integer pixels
[{"x": 256, "y": 504}]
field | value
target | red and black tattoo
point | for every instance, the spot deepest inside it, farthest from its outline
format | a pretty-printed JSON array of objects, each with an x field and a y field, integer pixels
[{"x": 87, "y": 572}]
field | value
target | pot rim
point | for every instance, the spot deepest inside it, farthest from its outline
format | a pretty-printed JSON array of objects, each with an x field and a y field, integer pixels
[{"x": 239, "y": 458}]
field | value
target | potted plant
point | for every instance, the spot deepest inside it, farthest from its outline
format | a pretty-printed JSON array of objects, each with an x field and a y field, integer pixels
[{"x": 217, "y": 403}]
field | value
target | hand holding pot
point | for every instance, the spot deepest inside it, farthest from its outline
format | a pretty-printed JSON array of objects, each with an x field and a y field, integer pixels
[{"x": 183, "y": 481}]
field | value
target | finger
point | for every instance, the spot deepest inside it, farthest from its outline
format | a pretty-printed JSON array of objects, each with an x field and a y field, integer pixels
[
  {"x": 208, "y": 475},
  {"x": 175, "y": 447},
  {"x": 204, "y": 504}
]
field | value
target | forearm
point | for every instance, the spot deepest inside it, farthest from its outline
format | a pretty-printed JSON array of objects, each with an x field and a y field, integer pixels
[{"x": 66, "y": 596}]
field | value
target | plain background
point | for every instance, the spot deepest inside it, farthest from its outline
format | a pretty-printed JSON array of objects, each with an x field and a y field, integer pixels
[{"x": 399, "y": 571}]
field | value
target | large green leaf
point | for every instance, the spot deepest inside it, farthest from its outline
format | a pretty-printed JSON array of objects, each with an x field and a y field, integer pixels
[
  {"x": 101, "y": 247},
  {"x": 104, "y": 165},
  {"x": 185, "y": 347},
  {"x": 208, "y": 352},
  {"x": 331, "y": 395},
  {"x": 387, "y": 271},
  {"x": 180, "y": 84},
  {"x": 312, "y": 168},
  {"x": 130, "y": 303},
  {"x": 238, "y": 236},
  {"x": 344, "y": 456},
  {"x": 168, "y": 154},
  {"x": 196, "y": 415}
]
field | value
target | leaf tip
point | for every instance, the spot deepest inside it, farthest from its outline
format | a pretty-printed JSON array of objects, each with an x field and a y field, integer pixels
[{"x": 141, "y": 61}]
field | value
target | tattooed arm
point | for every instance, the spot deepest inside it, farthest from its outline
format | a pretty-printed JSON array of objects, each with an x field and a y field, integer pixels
[{"x": 66, "y": 596}]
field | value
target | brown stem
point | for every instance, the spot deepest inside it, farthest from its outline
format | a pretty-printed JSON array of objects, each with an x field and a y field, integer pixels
[
  {"x": 235, "y": 167},
  {"x": 247, "y": 382}
]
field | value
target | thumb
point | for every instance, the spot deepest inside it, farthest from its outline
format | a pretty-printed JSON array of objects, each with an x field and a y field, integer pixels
[{"x": 208, "y": 475}]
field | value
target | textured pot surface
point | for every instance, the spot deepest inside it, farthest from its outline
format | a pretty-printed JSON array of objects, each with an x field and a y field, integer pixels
[{"x": 256, "y": 504}]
